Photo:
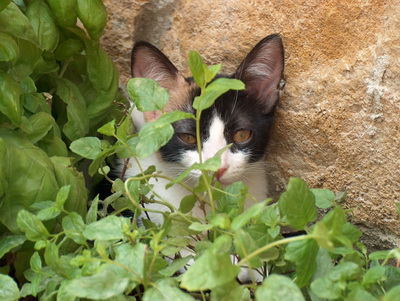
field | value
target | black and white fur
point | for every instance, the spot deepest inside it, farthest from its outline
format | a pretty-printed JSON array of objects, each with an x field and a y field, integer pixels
[{"x": 251, "y": 109}]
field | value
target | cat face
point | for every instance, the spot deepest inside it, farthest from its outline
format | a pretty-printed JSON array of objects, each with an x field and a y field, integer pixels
[{"x": 240, "y": 118}]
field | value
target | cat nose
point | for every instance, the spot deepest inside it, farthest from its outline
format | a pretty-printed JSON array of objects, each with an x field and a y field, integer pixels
[{"x": 220, "y": 172}]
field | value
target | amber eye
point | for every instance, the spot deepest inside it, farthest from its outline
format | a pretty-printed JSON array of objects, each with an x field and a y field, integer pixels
[
  {"x": 242, "y": 136},
  {"x": 188, "y": 138}
]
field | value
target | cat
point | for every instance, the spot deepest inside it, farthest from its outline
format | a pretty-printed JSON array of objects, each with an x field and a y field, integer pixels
[{"x": 243, "y": 118}]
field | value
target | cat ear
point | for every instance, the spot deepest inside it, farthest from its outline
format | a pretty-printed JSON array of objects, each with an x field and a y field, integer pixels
[
  {"x": 147, "y": 61},
  {"x": 262, "y": 71}
]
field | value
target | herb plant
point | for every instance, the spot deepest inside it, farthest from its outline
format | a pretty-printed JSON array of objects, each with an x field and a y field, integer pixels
[{"x": 56, "y": 95}]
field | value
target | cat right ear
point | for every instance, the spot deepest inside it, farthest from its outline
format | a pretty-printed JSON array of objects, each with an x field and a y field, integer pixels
[
  {"x": 149, "y": 62},
  {"x": 262, "y": 71}
]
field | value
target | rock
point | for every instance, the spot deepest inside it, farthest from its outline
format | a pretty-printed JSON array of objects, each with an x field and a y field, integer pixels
[{"x": 338, "y": 123}]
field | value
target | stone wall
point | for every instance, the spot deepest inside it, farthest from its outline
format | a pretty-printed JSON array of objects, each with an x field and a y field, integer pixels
[{"x": 338, "y": 124}]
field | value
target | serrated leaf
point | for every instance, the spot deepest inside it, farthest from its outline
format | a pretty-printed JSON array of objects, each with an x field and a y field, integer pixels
[
  {"x": 73, "y": 227},
  {"x": 278, "y": 288},
  {"x": 373, "y": 275},
  {"x": 166, "y": 289},
  {"x": 214, "y": 90},
  {"x": 147, "y": 94},
  {"x": 196, "y": 68},
  {"x": 87, "y": 147},
  {"x": 242, "y": 219},
  {"x": 32, "y": 226},
  {"x": 212, "y": 269},
  {"x": 303, "y": 253},
  {"x": 297, "y": 204},
  {"x": 234, "y": 198},
  {"x": 109, "y": 228},
  {"x": 110, "y": 281},
  {"x": 324, "y": 198},
  {"x": 154, "y": 135},
  {"x": 211, "y": 164},
  {"x": 134, "y": 258}
]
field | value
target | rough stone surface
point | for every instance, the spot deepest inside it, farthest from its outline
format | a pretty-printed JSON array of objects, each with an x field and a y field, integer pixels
[{"x": 338, "y": 123}]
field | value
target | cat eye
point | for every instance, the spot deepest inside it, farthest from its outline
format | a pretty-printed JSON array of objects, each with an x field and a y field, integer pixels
[
  {"x": 242, "y": 136},
  {"x": 188, "y": 138}
]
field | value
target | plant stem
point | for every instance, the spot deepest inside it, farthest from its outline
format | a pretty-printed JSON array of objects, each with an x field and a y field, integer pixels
[{"x": 271, "y": 245}]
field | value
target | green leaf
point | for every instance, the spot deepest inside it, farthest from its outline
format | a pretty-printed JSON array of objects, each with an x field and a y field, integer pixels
[
  {"x": 14, "y": 22},
  {"x": 392, "y": 294},
  {"x": 173, "y": 245},
  {"x": 9, "y": 50},
  {"x": 10, "y": 104},
  {"x": 175, "y": 266},
  {"x": 242, "y": 219},
  {"x": 212, "y": 269},
  {"x": 214, "y": 90},
  {"x": 68, "y": 48},
  {"x": 87, "y": 147},
  {"x": 244, "y": 245},
  {"x": 231, "y": 291},
  {"x": 109, "y": 228},
  {"x": 93, "y": 15},
  {"x": 187, "y": 203},
  {"x": 297, "y": 204},
  {"x": 324, "y": 198},
  {"x": 4, "y": 3},
  {"x": 43, "y": 23},
  {"x": 147, "y": 94},
  {"x": 199, "y": 227},
  {"x": 196, "y": 68},
  {"x": 326, "y": 288},
  {"x": 8, "y": 289},
  {"x": 41, "y": 123},
  {"x": 108, "y": 129},
  {"x": 78, "y": 123},
  {"x": 36, "y": 262},
  {"x": 133, "y": 257},
  {"x": 73, "y": 227},
  {"x": 303, "y": 253},
  {"x": 154, "y": 135},
  {"x": 10, "y": 242},
  {"x": 211, "y": 164},
  {"x": 91, "y": 216},
  {"x": 234, "y": 198},
  {"x": 32, "y": 226},
  {"x": 373, "y": 275},
  {"x": 278, "y": 288},
  {"x": 64, "y": 11},
  {"x": 100, "y": 68},
  {"x": 110, "y": 281},
  {"x": 166, "y": 289}
]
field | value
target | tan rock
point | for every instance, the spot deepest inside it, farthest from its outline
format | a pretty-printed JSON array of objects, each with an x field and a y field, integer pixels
[{"x": 338, "y": 123}]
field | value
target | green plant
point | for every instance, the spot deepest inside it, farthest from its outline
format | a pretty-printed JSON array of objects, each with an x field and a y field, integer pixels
[
  {"x": 101, "y": 255},
  {"x": 56, "y": 86}
]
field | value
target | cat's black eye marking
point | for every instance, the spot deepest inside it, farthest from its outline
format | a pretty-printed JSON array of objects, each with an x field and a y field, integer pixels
[
  {"x": 242, "y": 136},
  {"x": 187, "y": 138}
]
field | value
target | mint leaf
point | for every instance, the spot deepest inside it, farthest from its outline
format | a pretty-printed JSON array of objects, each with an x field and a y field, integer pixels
[{"x": 297, "y": 204}]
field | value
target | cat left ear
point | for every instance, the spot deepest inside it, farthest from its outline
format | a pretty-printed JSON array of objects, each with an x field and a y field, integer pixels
[{"x": 262, "y": 71}]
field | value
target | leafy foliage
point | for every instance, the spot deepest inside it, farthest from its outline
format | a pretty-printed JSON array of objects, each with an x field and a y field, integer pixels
[{"x": 57, "y": 87}]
